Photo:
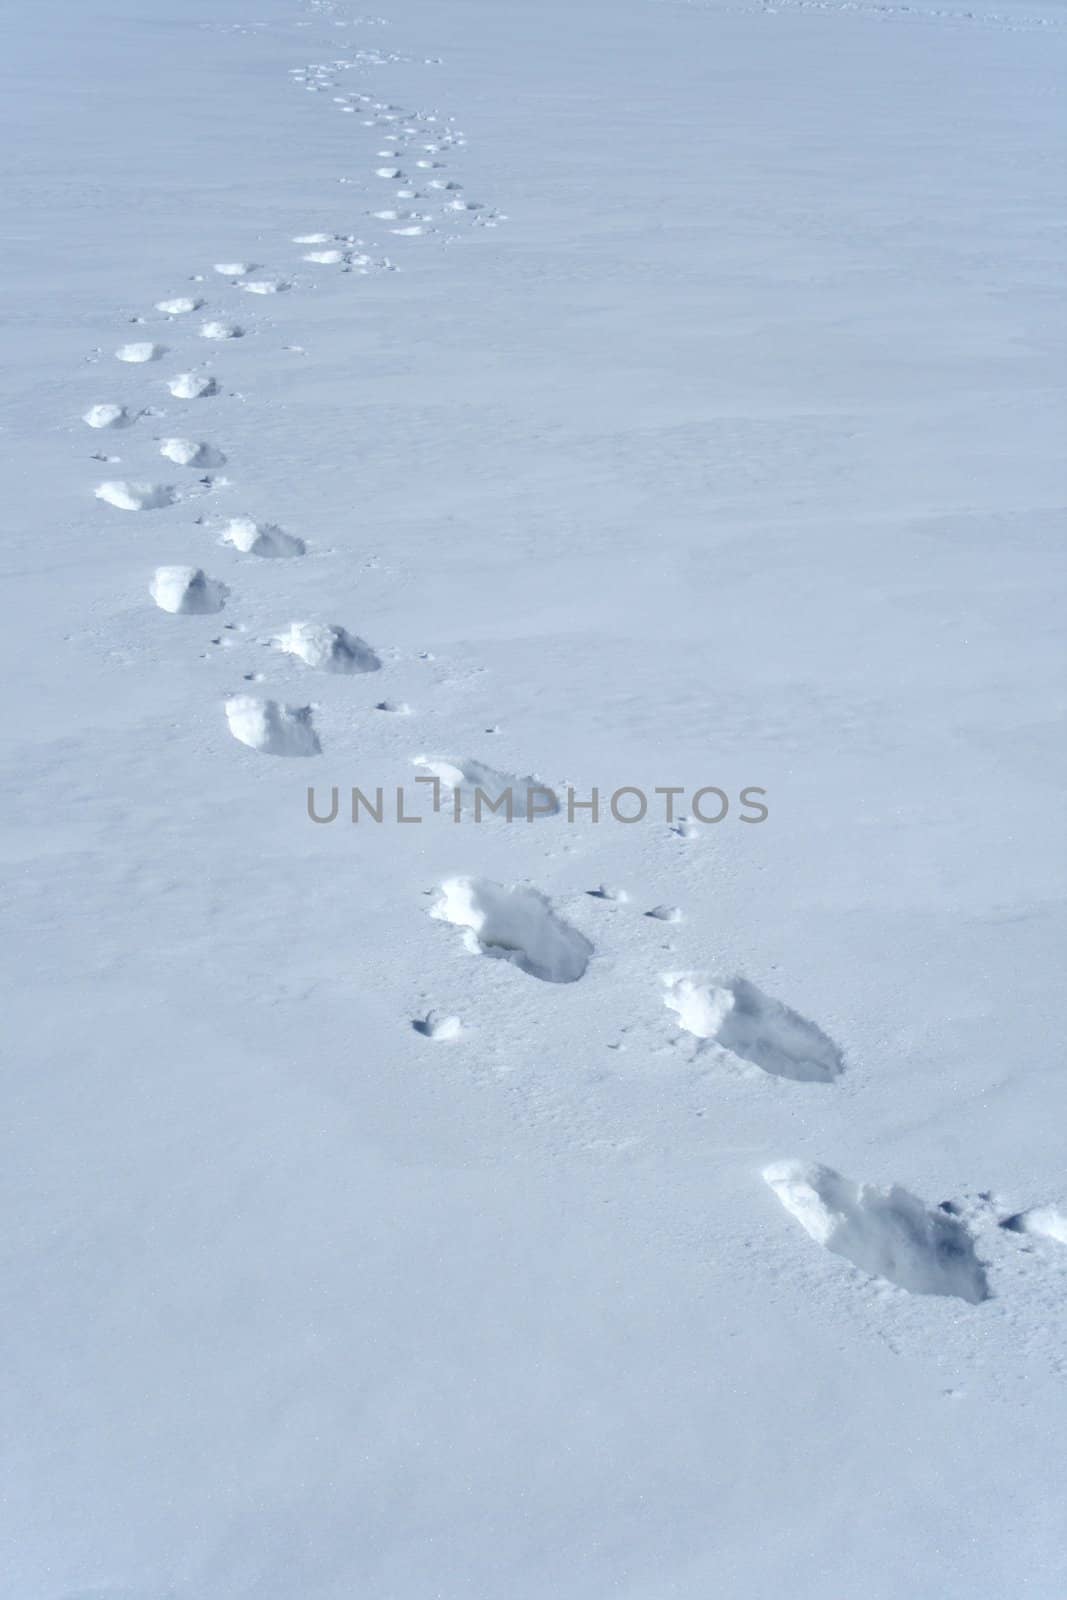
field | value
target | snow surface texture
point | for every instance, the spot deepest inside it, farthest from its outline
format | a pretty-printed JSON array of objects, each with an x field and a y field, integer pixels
[{"x": 671, "y": 393}]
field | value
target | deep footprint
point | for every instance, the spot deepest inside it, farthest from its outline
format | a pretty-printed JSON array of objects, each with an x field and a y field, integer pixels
[
  {"x": 888, "y": 1233},
  {"x": 136, "y": 496},
  {"x": 515, "y": 924},
  {"x": 1046, "y": 1222},
  {"x": 469, "y": 778},
  {"x": 327, "y": 647},
  {"x": 736, "y": 1016},
  {"x": 261, "y": 539},
  {"x": 187, "y": 591},
  {"x": 272, "y": 728},
  {"x": 192, "y": 386},
  {"x": 108, "y": 415},
  {"x": 191, "y": 453},
  {"x": 137, "y": 354}
]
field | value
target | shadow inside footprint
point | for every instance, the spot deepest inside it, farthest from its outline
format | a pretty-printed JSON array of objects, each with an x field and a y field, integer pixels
[
  {"x": 888, "y": 1233},
  {"x": 753, "y": 1026},
  {"x": 511, "y": 923}
]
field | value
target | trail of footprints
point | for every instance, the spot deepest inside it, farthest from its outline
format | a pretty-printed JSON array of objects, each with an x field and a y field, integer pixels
[
  {"x": 423, "y": 142},
  {"x": 733, "y": 1025}
]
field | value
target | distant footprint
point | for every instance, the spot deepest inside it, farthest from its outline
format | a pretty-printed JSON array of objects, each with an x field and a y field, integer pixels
[
  {"x": 735, "y": 1016},
  {"x": 189, "y": 453},
  {"x": 264, "y": 285},
  {"x": 511, "y": 923},
  {"x": 136, "y": 496},
  {"x": 887, "y": 1233},
  {"x": 235, "y": 269},
  {"x": 192, "y": 386},
  {"x": 138, "y": 353},
  {"x": 529, "y": 796},
  {"x": 261, "y": 538},
  {"x": 221, "y": 330},
  {"x": 438, "y": 1025},
  {"x": 180, "y": 306},
  {"x": 313, "y": 238},
  {"x": 108, "y": 415},
  {"x": 187, "y": 591},
  {"x": 325, "y": 258},
  {"x": 328, "y": 647},
  {"x": 272, "y": 728},
  {"x": 1047, "y": 1222}
]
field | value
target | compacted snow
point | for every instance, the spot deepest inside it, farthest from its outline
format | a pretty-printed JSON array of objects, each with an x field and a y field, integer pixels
[{"x": 657, "y": 407}]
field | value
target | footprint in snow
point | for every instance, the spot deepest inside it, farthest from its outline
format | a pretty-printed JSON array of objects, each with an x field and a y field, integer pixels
[
  {"x": 138, "y": 353},
  {"x": 221, "y": 330},
  {"x": 666, "y": 914},
  {"x": 887, "y": 1233},
  {"x": 180, "y": 306},
  {"x": 272, "y": 728},
  {"x": 732, "y": 1015},
  {"x": 1046, "y": 1222},
  {"x": 438, "y": 1025},
  {"x": 187, "y": 591},
  {"x": 108, "y": 415},
  {"x": 190, "y": 453},
  {"x": 192, "y": 386},
  {"x": 261, "y": 539},
  {"x": 235, "y": 269},
  {"x": 511, "y": 923},
  {"x": 324, "y": 258},
  {"x": 468, "y": 779},
  {"x": 136, "y": 496},
  {"x": 265, "y": 285},
  {"x": 327, "y": 647}
]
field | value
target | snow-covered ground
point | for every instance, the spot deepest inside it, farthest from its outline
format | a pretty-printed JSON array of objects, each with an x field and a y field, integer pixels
[{"x": 645, "y": 394}]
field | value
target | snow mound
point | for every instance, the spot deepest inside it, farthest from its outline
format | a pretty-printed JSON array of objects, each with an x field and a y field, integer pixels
[
  {"x": 887, "y": 1233},
  {"x": 515, "y": 924},
  {"x": 328, "y": 647},
  {"x": 272, "y": 728},
  {"x": 736, "y": 1016}
]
